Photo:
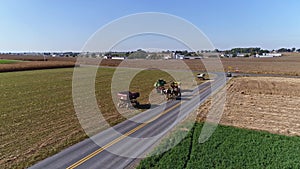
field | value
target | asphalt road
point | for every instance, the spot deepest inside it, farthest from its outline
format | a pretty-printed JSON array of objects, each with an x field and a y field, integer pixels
[{"x": 119, "y": 146}]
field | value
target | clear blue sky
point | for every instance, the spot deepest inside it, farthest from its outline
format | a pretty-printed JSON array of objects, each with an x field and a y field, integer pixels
[{"x": 65, "y": 25}]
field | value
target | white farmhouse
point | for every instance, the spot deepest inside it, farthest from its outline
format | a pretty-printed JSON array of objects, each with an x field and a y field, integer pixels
[{"x": 269, "y": 55}]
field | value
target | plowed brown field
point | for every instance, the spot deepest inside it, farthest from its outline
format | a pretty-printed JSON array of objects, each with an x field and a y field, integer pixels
[{"x": 262, "y": 103}]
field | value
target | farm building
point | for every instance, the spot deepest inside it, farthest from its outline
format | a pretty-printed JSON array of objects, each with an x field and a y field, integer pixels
[
  {"x": 240, "y": 55},
  {"x": 177, "y": 56},
  {"x": 269, "y": 55},
  {"x": 113, "y": 58}
]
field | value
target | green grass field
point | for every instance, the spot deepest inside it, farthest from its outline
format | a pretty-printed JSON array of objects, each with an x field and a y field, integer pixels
[
  {"x": 229, "y": 147},
  {"x": 37, "y": 116},
  {"x": 5, "y": 61}
]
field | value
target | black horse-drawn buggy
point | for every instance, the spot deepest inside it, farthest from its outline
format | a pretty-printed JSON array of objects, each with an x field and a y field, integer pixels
[{"x": 128, "y": 99}]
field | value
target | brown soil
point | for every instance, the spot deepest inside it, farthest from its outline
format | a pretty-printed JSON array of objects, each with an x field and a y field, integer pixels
[{"x": 261, "y": 103}]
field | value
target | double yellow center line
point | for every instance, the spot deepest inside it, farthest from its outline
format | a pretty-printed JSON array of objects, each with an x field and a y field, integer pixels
[{"x": 86, "y": 158}]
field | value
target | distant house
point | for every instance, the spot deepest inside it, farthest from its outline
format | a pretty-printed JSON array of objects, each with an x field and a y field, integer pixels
[
  {"x": 275, "y": 54},
  {"x": 269, "y": 55},
  {"x": 226, "y": 55},
  {"x": 193, "y": 57},
  {"x": 166, "y": 56},
  {"x": 178, "y": 56},
  {"x": 243, "y": 55},
  {"x": 114, "y": 57}
]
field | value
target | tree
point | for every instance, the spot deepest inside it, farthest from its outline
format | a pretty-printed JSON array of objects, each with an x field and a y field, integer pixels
[
  {"x": 284, "y": 50},
  {"x": 155, "y": 56},
  {"x": 93, "y": 55},
  {"x": 293, "y": 49},
  {"x": 139, "y": 54},
  {"x": 298, "y": 50},
  {"x": 253, "y": 53}
]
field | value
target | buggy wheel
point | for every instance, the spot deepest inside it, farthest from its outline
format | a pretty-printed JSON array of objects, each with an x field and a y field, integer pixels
[{"x": 137, "y": 104}]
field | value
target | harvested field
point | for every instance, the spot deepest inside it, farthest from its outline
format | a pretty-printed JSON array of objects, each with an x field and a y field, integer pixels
[
  {"x": 262, "y": 103},
  {"x": 37, "y": 116}
]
